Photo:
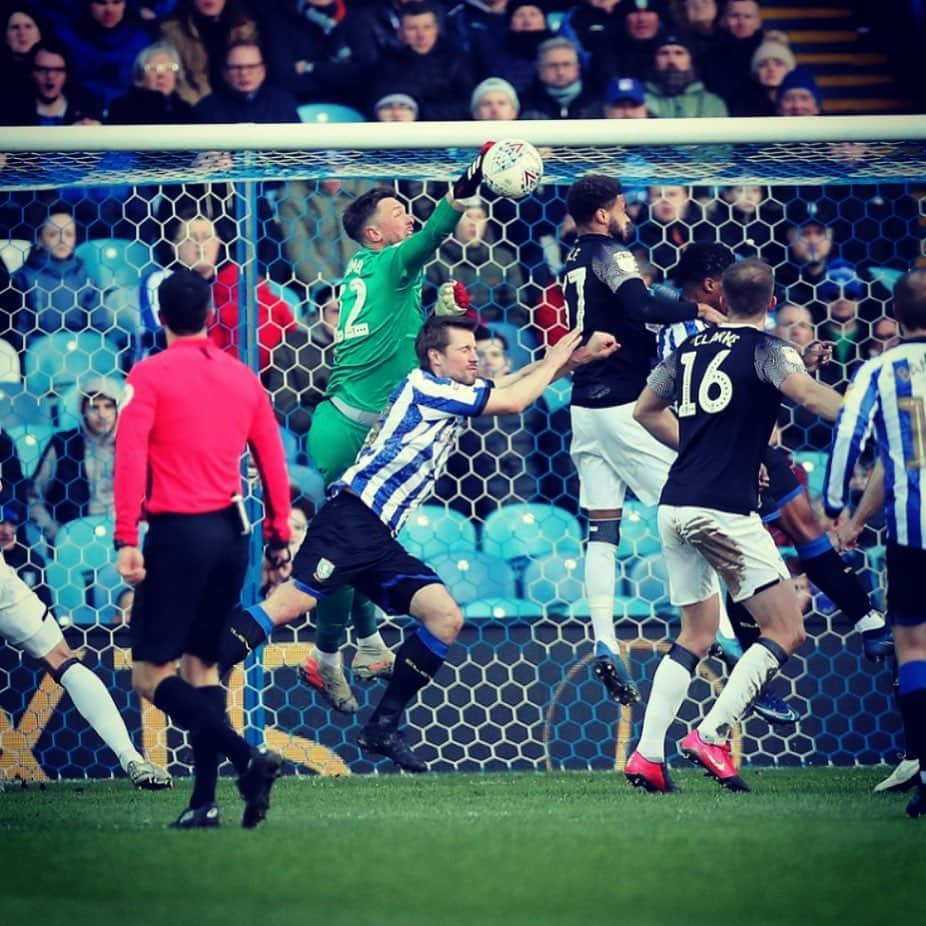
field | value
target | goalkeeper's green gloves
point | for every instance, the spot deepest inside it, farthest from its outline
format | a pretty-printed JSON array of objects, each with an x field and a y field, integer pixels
[{"x": 452, "y": 299}]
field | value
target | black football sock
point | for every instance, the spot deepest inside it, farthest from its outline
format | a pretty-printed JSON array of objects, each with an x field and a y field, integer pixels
[
  {"x": 185, "y": 705},
  {"x": 834, "y": 578},
  {"x": 912, "y": 700},
  {"x": 416, "y": 663},
  {"x": 205, "y": 757},
  {"x": 244, "y": 632},
  {"x": 744, "y": 627}
]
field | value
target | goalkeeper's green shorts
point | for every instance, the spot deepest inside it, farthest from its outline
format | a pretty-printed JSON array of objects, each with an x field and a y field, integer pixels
[{"x": 334, "y": 441}]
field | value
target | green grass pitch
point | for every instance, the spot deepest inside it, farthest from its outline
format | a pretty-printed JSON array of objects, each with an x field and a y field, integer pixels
[{"x": 808, "y": 846}]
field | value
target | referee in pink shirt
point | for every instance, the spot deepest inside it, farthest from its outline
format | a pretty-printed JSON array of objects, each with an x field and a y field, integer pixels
[{"x": 187, "y": 417}]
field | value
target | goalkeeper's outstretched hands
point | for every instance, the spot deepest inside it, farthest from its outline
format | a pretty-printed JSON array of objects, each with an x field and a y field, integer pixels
[
  {"x": 468, "y": 183},
  {"x": 452, "y": 299}
]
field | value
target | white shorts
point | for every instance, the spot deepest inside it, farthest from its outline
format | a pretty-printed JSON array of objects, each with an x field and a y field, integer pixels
[
  {"x": 611, "y": 451},
  {"x": 701, "y": 543},
  {"x": 24, "y": 621}
]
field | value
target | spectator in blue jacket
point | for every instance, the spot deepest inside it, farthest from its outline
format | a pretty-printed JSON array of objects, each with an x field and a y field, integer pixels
[
  {"x": 55, "y": 290},
  {"x": 104, "y": 45}
]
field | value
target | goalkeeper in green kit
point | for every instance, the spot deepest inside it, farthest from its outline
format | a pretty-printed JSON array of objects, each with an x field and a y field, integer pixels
[{"x": 381, "y": 315}]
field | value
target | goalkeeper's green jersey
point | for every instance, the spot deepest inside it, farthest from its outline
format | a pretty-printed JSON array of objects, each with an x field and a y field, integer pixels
[{"x": 381, "y": 315}]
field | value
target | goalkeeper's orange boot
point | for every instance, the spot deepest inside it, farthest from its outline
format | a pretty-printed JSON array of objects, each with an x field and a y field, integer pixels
[
  {"x": 651, "y": 776},
  {"x": 716, "y": 758},
  {"x": 330, "y": 683},
  {"x": 373, "y": 663}
]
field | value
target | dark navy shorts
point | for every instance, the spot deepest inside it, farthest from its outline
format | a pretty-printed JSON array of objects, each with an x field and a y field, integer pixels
[
  {"x": 783, "y": 484},
  {"x": 347, "y": 544},
  {"x": 906, "y": 603},
  {"x": 195, "y": 567}
]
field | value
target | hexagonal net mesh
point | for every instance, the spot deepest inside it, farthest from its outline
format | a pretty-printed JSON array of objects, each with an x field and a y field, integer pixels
[{"x": 503, "y": 528}]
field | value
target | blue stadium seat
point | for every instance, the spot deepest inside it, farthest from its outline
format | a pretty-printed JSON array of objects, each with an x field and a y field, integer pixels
[
  {"x": 30, "y": 441},
  {"x": 500, "y": 608},
  {"x": 474, "y": 575},
  {"x": 433, "y": 530},
  {"x": 530, "y": 529},
  {"x": 554, "y": 582},
  {"x": 814, "y": 463},
  {"x": 329, "y": 112},
  {"x": 308, "y": 482},
  {"x": 625, "y": 606},
  {"x": 115, "y": 261},
  {"x": 639, "y": 530},
  {"x": 83, "y": 548},
  {"x": 55, "y": 361},
  {"x": 648, "y": 580},
  {"x": 290, "y": 444},
  {"x": 557, "y": 395},
  {"x": 18, "y": 407}
]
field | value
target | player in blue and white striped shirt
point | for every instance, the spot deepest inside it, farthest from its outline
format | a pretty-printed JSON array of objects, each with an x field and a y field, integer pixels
[
  {"x": 352, "y": 540},
  {"x": 887, "y": 399}
]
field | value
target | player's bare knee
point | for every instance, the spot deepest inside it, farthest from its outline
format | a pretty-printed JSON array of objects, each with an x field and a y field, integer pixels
[
  {"x": 799, "y": 522},
  {"x": 445, "y": 622}
]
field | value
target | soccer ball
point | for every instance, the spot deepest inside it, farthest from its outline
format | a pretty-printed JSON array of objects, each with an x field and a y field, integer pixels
[{"x": 512, "y": 168}]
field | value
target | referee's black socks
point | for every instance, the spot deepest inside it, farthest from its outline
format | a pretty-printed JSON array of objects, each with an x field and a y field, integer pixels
[
  {"x": 206, "y": 757},
  {"x": 244, "y": 632},
  {"x": 416, "y": 663},
  {"x": 195, "y": 710}
]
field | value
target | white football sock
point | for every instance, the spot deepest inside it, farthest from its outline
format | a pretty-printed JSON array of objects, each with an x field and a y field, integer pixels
[
  {"x": 373, "y": 643},
  {"x": 670, "y": 685},
  {"x": 599, "y": 589},
  {"x": 327, "y": 659},
  {"x": 96, "y": 706},
  {"x": 747, "y": 679}
]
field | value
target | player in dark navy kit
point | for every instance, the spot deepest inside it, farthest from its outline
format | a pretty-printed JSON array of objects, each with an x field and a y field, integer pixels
[
  {"x": 784, "y": 502},
  {"x": 726, "y": 385},
  {"x": 178, "y": 466},
  {"x": 605, "y": 292}
]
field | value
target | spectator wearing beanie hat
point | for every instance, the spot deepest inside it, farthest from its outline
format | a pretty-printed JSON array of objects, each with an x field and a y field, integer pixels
[
  {"x": 675, "y": 90},
  {"x": 516, "y": 60},
  {"x": 396, "y": 107},
  {"x": 644, "y": 23},
  {"x": 772, "y": 60},
  {"x": 597, "y": 28},
  {"x": 799, "y": 95},
  {"x": 495, "y": 98}
]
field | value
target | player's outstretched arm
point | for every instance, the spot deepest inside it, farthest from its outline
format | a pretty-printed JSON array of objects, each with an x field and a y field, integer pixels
[
  {"x": 514, "y": 397},
  {"x": 654, "y": 413},
  {"x": 872, "y": 500},
  {"x": 815, "y": 397},
  {"x": 600, "y": 344}
]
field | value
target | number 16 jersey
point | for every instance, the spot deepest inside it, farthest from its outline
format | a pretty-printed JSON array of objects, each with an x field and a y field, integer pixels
[{"x": 725, "y": 383}]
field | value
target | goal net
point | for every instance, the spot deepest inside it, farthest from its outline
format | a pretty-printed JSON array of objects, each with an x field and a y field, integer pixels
[{"x": 835, "y": 205}]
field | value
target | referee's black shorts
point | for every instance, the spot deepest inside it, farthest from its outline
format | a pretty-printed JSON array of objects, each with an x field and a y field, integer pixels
[
  {"x": 906, "y": 566},
  {"x": 348, "y": 544},
  {"x": 783, "y": 484},
  {"x": 195, "y": 567}
]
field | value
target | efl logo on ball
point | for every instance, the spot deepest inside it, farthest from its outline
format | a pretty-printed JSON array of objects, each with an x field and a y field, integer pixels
[{"x": 512, "y": 168}]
